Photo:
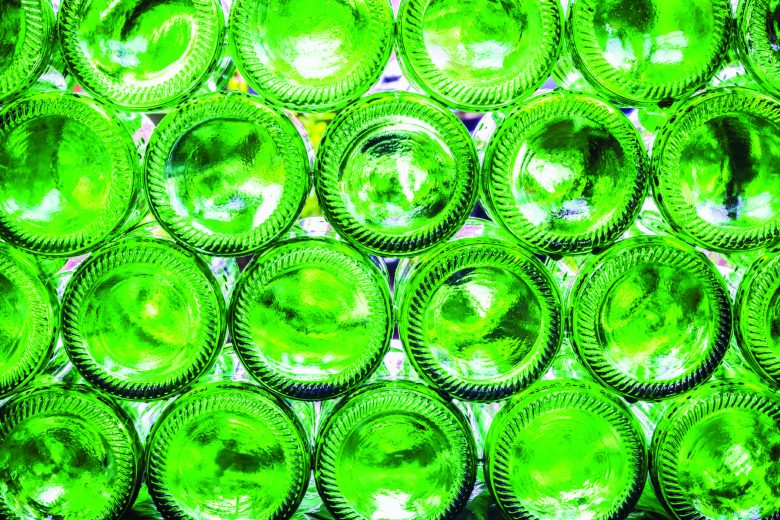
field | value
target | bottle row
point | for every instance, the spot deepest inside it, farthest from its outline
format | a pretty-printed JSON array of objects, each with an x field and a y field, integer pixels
[{"x": 320, "y": 55}]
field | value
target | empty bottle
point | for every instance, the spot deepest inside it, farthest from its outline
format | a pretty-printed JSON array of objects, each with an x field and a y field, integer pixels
[{"x": 758, "y": 41}]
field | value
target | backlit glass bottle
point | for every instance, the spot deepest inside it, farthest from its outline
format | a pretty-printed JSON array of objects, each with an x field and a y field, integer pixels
[{"x": 758, "y": 41}]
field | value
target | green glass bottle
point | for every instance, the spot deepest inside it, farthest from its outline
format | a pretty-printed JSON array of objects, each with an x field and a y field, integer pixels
[
  {"x": 648, "y": 52},
  {"x": 479, "y": 55},
  {"x": 228, "y": 451},
  {"x": 69, "y": 174},
  {"x": 565, "y": 449},
  {"x": 311, "y": 318},
  {"x": 28, "y": 319},
  {"x": 26, "y": 43},
  {"x": 396, "y": 174},
  {"x": 141, "y": 55},
  {"x": 650, "y": 318},
  {"x": 715, "y": 170},
  {"x": 758, "y": 41},
  {"x": 714, "y": 453},
  {"x": 479, "y": 317},
  {"x": 394, "y": 450},
  {"x": 311, "y": 55},
  {"x": 142, "y": 318},
  {"x": 226, "y": 175},
  {"x": 565, "y": 173},
  {"x": 67, "y": 452}
]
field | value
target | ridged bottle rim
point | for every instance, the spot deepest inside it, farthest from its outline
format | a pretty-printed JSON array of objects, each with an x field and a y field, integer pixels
[
  {"x": 303, "y": 253},
  {"x": 466, "y": 254},
  {"x": 309, "y": 98},
  {"x": 124, "y": 174},
  {"x": 757, "y": 52},
  {"x": 151, "y": 253},
  {"x": 667, "y": 149},
  {"x": 549, "y": 397},
  {"x": 382, "y": 399},
  {"x": 108, "y": 421},
  {"x": 583, "y": 43},
  {"x": 497, "y": 183},
  {"x": 758, "y": 287},
  {"x": 230, "y": 397},
  {"x": 207, "y": 46},
  {"x": 43, "y": 318},
  {"x": 234, "y": 106},
  {"x": 592, "y": 287},
  {"x": 38, "y": 30},
  {"x": 417, "y": 64},
  {"x": 373, "y": 112}
]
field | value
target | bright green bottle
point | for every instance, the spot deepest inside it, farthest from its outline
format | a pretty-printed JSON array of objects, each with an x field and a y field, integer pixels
[
  {"x": 311, "y": 55},
  {"x": 714, "y": 453},
  {"x": 395, "y": 450},
  {"x": 67, "y": 452},
  {"x": 28, "y": 319},
  {"x": 69, "y": 174},
  {"x": 565, "y": 173},
  {"x": 648, "y": 52},
  {"x": 715, "y": 167},
  {"x": 141, "y": 55},
  {"x": 226, "y": 175},
  {"x": 650, "y": 318},
  {"x": 228, "y": 451},
  {"x": 396, "y": 174},
  {"x": 565, "y": 449},
  {"x": 143, "y": 318},
  {"x": 311, "y": 318},
  {"x": 480, "y": 317},
  {"x": 26, "y": 43},
  {"x": 758, "y": 41}
]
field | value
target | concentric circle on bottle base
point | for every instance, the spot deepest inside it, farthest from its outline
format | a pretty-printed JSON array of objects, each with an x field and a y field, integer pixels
[
  {"x": 396, "y": 174},
  {"x": 565, "y": 446},
  {"x": 68, "y": 174},
  {"x": 142, "y": 318},
  {"x": 716, "y": 170},
  {"x": 479, "y": 55},
  {"x": 141, "y": 56},
  {"x": 480, "y": 318},
  {"x": 650, "y": 318},
  {"x": 758, "y": 32},
  {"x": 311, "y": 55},
  {"x": 226, "y": 175},
  {"x": 565, "y": 173},
  {"x": 67, "y": 452},
  {"x": 395, "y": 450},
  {"x": 311, "y": 318},
  {"x": 234, "y": 436}
]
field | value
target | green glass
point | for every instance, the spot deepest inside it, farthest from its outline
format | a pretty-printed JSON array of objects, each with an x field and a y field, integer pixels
[
  {"x": 28, "y": 319},
  {"x": 311, "y": 318},
  {"x": 67, "y": 453},
  {"x": 565, "y": 449},
  {"x": 26, "y": 42},
  {"x": 648, "y": 52},
  {"x": 479, "y": 317},
  {"x": 565, "y": 173},
  {"x": 395, "y": 450},
  {"x": 311, "y": 55},
  {"x": 226, "y": 175},
  {"x": 142, "y": 318},
  {"x": 396, "y": 174},
  {"x": 479, "y": 55},
  {"x": 714, "y": 453},
  {"x": 141, "y": 55},
  {"x": 758, "y": 41},
  {"x": 650, "y": 318},
  {"x": 69, "y": 174},
  {"x": 228, "y": 451},
  {"x": 715, "y": 168}
]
